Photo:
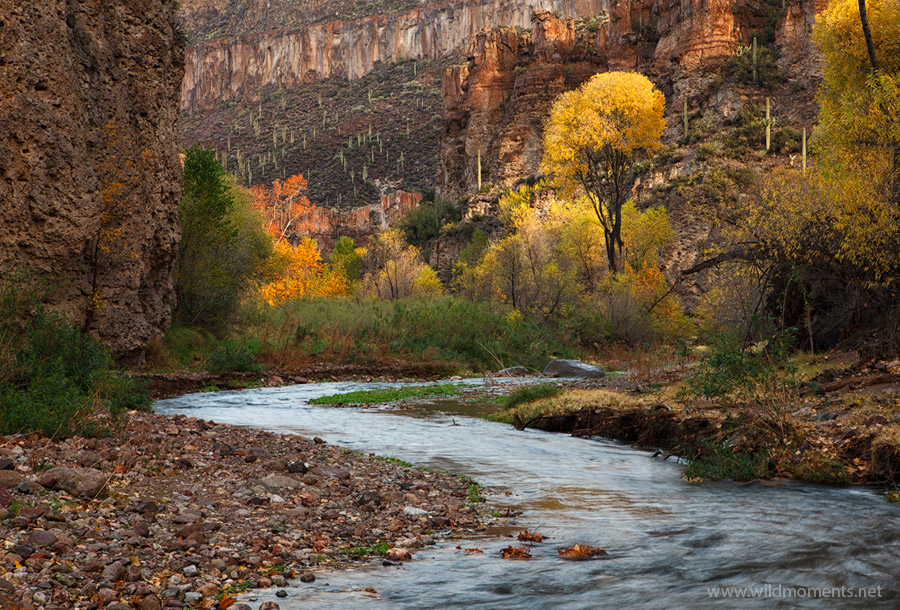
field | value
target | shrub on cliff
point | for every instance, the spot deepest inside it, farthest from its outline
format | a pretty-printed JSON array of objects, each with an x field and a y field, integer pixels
[
  {"x": 54, "y": 379},
  {"x": 223, "y": 245}
]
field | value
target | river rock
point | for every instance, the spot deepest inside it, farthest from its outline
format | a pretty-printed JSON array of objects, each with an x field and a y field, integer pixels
[
  {"x": 7, "y": 464},
  {"x": 88, "y": 483},
  {"x": 573, "y": 368},
  {"x": 398, "y": 554},
  {"x": 10, "y": 478},
  {"x": 330, "y": 471},
  {"x": 514, "y": 371},
  {"x": 280, "y": 481},
  {"x": 41, "y": 538}
]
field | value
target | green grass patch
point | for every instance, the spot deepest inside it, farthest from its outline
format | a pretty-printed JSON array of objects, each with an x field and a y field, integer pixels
[
  {"x": 389, "y": 395},
  {"x": 530, "y": 393},
  {"x": 395, "y": 460},
  {"x": 380, "y": 548}
]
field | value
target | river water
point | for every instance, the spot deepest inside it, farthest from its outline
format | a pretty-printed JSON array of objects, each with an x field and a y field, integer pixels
[{"x": 671, "y": 544}]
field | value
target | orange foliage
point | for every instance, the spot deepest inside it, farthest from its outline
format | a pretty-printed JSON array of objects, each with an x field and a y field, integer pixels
[
  {"x": 580, "y": 551},
  {"x": 284, "y": 205},
  {"x": 304, "y": 274},
  {"x": 515, "y": 552}
]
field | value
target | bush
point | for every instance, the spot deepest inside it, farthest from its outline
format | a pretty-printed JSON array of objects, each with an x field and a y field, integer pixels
[
  {"x": 233, "y": 356},
  {"x": 55, "y": 379},
  {"x": 716, "y": 461}
]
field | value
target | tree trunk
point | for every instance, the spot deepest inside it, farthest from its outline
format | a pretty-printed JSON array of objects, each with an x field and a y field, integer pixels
[{"x": 870, "y": 46}]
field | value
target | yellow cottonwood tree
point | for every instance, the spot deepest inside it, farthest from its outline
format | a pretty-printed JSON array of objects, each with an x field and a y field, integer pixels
[
  {"x": 593, "y": 137},
  {"x": 860, "y": 91}
]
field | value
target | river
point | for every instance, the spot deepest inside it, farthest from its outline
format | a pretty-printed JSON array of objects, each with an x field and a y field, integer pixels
[{"x": 671, "y": 544}]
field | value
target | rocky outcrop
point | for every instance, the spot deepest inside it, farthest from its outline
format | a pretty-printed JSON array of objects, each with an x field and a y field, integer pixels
[
  {"x": 89, "y": 172},
  {"x": 495, "y": 104},
  {"x": 799, "y": 55},
  {"x": 232, "y": 68},
  {"x": 325, "y": 224}
]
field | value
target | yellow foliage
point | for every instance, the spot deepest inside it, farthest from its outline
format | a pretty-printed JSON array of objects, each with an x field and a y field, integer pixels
[
  {"x": 857, "y": 107},
  {"x": 303, "y": 274},
  {"x": 592, "y": 138},
  {"x": 394, "y": 270}
]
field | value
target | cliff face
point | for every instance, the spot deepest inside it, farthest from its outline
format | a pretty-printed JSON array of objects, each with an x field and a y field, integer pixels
[
  {"x": 89, "y": 172},
  {"x": 496, "y": 103},
  {"x": 233, "y": 68},
  {"x": 359, "y": 223}
]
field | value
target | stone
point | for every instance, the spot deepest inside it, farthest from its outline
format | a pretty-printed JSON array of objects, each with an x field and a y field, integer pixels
[
  {"x": 88, "y": 483},
  {"x": 269, "y": 606},
  {"x": 114, "y": 572},
  {"x": 190, "y": 571},
  {"x": 307, "y": 577},
  {"x": 398, "y": 554},
  {"x": 277, "y": 465},
  {"x": 7, "y": 464},
  {"x": 415, "y": 512},
  {"x": 150, "y": 602},
  {"x": 192, "y": 597},
  {"x": 41, "y": 538},
  {"x": 281, "y": 593},
  {"x": 10, "y": 478},
  {"x": 146, "y": 507},
  {"x": 188, "y": 515},
  {"x": 514, "y": 371},
  {"x": 297, "y": 468},
  {"x": 5, "y": 498},
  {"x": 574, "y": 369},
  {"x": 24, "y": 487},
  {"x": 280, "y": 481},
  {"x": 184, "y": 462},
  {"x": 88, "y": 459},
  {"x": 330, "y": 471}
]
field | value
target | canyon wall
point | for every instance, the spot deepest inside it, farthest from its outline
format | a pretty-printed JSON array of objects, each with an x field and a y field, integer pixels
[
  {"x": 495, "y": 104},
  {"x": 238, "y": 68},
  {"x": 89, "y": 173},
  {"x": 360, "y": 223}
]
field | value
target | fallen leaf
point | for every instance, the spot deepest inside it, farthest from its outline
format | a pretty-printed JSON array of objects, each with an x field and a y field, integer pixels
[
  {"x": 580, "y": 551},
  {"x": 474, "y": 551},
  {"x": 515, "y": 552},
  {"x": 525, "y": 536},
  {"x": 227, "y": 602}
]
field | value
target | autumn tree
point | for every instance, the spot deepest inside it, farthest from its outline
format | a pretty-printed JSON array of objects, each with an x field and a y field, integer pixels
[
  {"x": 302, "y": 274},
  {"x": 286, "y": 207},
  {"x": 593, "y": 137},
  {"x": 394, "y": 270},
  {"x": 860, "y": 91}
]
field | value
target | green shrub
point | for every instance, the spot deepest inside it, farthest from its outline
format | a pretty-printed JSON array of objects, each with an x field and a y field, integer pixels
[
  {"x": 54, "y": 379},
  {"x": 731, "y": 370},
  {"x": 233, "y": 356},
  {"x": 716, "y": 461}
]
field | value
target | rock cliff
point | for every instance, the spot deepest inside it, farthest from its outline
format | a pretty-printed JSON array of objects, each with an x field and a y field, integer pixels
[
  {"x": 295, "y": 51},
  {"x": 89, "y": 172},
  {"x": 496, "y": 102}
]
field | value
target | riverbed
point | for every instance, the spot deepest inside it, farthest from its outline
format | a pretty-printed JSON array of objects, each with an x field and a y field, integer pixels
[{"x": 670, "y": 544}]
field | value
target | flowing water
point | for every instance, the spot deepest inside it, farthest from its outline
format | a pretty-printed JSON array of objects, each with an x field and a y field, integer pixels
[{"x": 671, "y": 544}]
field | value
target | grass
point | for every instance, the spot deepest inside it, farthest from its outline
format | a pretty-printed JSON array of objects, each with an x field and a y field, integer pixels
[
  {"x": 380, "y": 548},
  {"x": 531, "y": 393},
  {"x": 715, "y": 461},
  {"x": 388, "y": 395},
  {"x": 395, "y": 460}
]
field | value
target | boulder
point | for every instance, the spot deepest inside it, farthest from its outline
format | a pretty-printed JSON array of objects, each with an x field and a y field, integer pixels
[
  {"x": 88, "y": 483},
  {"x": 572, "y": 368}
]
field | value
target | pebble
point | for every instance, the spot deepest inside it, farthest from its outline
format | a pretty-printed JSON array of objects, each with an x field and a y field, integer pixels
[
  {"x": 307, "y": 577},
  {"x": 190, "y": 571},
  {"x": 281, "y": 593}
]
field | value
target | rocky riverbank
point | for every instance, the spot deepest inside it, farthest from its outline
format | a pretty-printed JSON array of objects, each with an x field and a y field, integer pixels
[{"x": 175, "y": 512}]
